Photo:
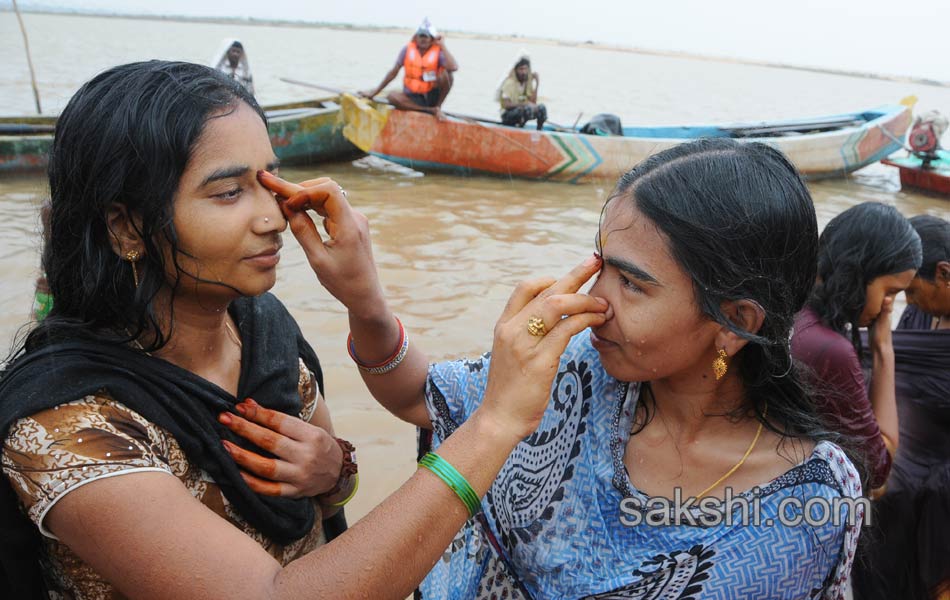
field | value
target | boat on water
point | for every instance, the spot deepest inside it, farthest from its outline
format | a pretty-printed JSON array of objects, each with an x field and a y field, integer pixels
[
  {"x": 930, "y": 174},
  {"x": 820, "y": 147},
  {"x": 303, "y": 132},
  {"x": 25, "y": 142},
  {"x": 308, "y": 132}
]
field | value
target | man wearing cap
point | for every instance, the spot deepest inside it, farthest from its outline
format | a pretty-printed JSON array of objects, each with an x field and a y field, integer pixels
[{"x": 428, "y": 76}]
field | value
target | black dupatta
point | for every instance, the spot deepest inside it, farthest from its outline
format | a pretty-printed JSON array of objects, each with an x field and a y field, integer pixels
[{"x": 181, "y": 402}]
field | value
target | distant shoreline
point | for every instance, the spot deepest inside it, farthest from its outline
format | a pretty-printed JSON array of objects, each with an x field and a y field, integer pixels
[{"x": 253, "y": 21}]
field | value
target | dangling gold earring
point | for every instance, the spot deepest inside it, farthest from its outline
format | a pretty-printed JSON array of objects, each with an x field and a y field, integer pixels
[
  {"x": 720, "y": 366},
  {"x": 133, "y": 256}
]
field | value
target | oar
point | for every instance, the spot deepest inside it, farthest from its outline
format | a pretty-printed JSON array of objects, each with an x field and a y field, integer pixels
[{"x": 335, "y": 90}]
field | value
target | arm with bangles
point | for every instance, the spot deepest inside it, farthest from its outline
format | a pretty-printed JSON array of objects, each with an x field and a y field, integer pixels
[
  {"x": 394, "y": 370},
  {"x": 348, "y": 271},
  {"x": 121, "y": 527}
]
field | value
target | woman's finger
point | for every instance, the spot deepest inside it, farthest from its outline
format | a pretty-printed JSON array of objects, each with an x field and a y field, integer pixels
[
  {"x": 311, "y": 198},
  {"x": 525, "y": 292},
  {"x": 326, "y": 198},
  {"x": 262, "y": 466},
  {"x": 316, "y": 181},
  {"x": 261, "y": 437},
  {"x": 305, "y": 231},
  {"x": 576, "y": 277},
  {"x": 269, "y": 488},
  {"x": 551, "y": 309},
  {"x": 287, "y": 425},
  {"x": 560, "y": 335},
  {"x": 279, "y": 186}
]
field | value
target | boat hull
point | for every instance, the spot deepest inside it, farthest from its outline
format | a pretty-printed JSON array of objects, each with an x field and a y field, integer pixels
[
  {"x": 935, "y": 178},
  {"x": 301, "y": 133},
  {"x": 309, "y": 132},
  {"x": 466, "y": 146}
]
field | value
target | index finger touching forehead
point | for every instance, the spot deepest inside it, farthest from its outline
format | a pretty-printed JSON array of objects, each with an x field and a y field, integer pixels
[{"x": 277, "y": 185}]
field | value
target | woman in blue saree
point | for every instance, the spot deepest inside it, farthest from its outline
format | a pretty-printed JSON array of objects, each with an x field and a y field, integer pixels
[{"x": 687, "y": 391}]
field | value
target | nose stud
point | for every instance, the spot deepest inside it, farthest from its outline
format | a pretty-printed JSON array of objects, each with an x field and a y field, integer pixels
[{"x": 267, "y": 219}]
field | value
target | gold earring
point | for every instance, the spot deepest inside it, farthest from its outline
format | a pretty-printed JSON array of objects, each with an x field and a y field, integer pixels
[
  {"x": 720, "y": 366},
  {"x": 133, "y": 256}
]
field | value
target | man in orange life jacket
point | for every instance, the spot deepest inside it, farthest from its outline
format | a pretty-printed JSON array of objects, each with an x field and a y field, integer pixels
[{"x": 428, "y": 68}]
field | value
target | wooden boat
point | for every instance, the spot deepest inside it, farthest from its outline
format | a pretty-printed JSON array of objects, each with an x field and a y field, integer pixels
[
  {"x": 25, "y": 142},
  {"x": 822, "y": 147},
  {"x": 934, "y": 177},
  {"x": 308, "y": 132},
  {"x": 302, "y": 132}
]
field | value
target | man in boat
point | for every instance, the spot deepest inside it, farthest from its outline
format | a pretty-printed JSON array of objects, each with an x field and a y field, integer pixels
[
  {"x": 232, "y": 61},
  {"x": 518, "y": 95},
  {"x": 428, "y": 73}
]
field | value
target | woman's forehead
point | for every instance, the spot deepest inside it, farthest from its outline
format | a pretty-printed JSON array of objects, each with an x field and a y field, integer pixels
[
  {"x": 621, "y": 220},
  {"x": 627, "y": 233}
]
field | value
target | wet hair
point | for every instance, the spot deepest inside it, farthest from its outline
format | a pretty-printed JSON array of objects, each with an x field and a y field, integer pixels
[
  {"x": 863, "y": 243},
  {"x": 523, "y": 62},
  {"x": 741, "y": 224},
  {"x": 124, "y": 138},
  {"x": 934, "y": 235}
]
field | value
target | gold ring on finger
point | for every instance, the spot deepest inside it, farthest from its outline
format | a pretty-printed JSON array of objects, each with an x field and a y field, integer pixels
[{"x": 536, "y": 327}]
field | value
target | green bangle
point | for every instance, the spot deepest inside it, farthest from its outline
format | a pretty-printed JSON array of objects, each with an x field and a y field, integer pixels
[
  {"x": 454, "y": 480},
  {"x": 356, "y": 486}
]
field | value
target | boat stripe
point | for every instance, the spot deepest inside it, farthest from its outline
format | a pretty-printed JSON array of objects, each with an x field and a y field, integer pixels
[
  {"x": 567, "y": 162},
  {"x": 596, "y": 156}
]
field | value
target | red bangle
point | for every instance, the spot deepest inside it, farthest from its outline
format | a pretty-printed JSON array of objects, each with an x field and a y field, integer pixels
[
  {"x": 348, "y": 469},
  {"x": 351, "y": 349}
]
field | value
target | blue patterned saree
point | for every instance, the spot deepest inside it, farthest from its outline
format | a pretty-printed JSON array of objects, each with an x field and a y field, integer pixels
[{"x": 558, "y": 521}]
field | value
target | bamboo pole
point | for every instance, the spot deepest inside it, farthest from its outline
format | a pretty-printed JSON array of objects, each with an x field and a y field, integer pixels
[{"x": 29, "y": 60}]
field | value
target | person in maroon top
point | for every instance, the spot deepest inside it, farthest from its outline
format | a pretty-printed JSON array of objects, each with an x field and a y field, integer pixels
[{"x": 867, "y": 255}]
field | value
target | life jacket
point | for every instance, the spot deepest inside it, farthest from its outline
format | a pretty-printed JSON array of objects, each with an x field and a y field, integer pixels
[{"x": 421, "y": 69}]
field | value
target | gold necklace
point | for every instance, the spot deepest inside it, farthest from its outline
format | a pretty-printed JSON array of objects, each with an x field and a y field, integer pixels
[
  {"x": 755, "y": 440},
  {"x": 233, "y": 336}
]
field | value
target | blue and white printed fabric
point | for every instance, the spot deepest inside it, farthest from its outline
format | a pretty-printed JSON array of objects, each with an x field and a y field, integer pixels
[{"x": 552, "y": 526}]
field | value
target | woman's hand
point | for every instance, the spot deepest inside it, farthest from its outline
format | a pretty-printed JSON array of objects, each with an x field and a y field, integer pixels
[
  {"x": 344, "y": 262},
  {"x": 523, "y": 364},
  {"x": 879, "y": 333},
  {"x": 308, "y": 458}
]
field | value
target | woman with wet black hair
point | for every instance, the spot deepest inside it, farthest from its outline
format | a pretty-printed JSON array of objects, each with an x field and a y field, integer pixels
[
  {"x": 908, "y": 550},
  {"x": 687, "y": 392},
  {"x": 126, "y": 413},
  {"x": 867, "y": 255}
]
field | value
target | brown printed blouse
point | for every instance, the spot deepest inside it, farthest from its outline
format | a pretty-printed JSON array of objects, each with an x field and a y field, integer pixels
[{"x": 55, "y": 451}]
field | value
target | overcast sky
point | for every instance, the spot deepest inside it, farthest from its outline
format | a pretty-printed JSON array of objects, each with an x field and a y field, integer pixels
[{"x": 907, "y": 38}]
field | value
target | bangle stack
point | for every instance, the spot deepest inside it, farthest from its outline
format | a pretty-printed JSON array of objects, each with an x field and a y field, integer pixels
[
  {"x": 387, "y": 365},
  {"x": 454, "y": 480},
  {"x": 349, "y": 469},
  {"x": 356, "y": 486}
]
